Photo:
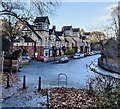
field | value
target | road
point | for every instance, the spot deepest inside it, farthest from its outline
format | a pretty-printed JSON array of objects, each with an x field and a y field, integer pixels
[{"x": 77, "y": 73}]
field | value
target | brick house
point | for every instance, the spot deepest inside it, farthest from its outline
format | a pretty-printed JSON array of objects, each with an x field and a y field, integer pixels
[
  {"x": 85, "y": 45},
  {"x": 41, "y": 27},
  {"x": 26, "y": 43},
  {"x": 76, "y": 37},
  {"x": 55, "y": 41},
  {"x": 60, "y": 35},
  {"x": 68, "y": 33}
]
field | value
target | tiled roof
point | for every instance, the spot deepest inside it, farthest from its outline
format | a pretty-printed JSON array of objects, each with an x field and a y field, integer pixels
[
  {"x": 76, "y": 29},
  {"x": 59, "y": 33},
  {"x": 87, "y": 33},
  {"x": 66, "y": 40},
  {"x": 32, "y": 28},
  {"x": 57, "y": 38},
  {"x": 83, "y": 37},
  {"x": 41, "y": 19},
  {"x": 28, "y": 39},
  {"x": 17, "y": 40},
  {"x": 51, "y": 31},
  {"x": 66, "y": 28}
]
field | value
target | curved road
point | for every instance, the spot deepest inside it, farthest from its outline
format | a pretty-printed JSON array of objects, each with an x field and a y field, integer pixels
[
  {"x": 77, "y": 73},
  {"x": 76, "y": 70}
]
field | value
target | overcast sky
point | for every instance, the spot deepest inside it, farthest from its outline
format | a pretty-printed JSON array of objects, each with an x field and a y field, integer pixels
[{"x": 86, "y": 15}]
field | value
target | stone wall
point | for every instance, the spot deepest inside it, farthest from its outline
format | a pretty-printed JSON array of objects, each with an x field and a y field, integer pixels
[{"x": 108, "y": 67}]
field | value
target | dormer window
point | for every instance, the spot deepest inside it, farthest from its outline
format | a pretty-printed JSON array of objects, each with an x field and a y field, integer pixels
[
  {"x": 42, "y": 23},
  {"x": 22, "y": 41},
  {"x": 39, "y": 26}
]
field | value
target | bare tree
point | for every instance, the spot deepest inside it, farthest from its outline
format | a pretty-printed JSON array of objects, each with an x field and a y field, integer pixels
[
  {"x": 116, "y": 25},
  {"x": 24, "y": 12}
]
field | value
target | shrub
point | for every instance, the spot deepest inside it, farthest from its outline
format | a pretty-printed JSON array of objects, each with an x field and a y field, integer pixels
[
  {"x": 107, "y": 89},
  {"x": 69, "y": 52}
]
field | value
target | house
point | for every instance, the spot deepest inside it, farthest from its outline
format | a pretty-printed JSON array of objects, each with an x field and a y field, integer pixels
[
  {"x": 85, "y": 45},
  {"x": 52, "y": 41},
  {"x": 68, "y": 33},
  {"x": 41, "y": 26},
  {"x": 61, "y": 37},
  {"x": 76, "y": 37},
  {"x": 55, "y": 41},
  {"x": 26, "y": 43}
]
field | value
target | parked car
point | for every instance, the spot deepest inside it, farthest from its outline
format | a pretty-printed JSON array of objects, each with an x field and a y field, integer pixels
[
  {"x": 88, "y": 54},
  {"x": 76, "y": 56},
  {"x": 40, "y": 58},
  {"x": 82, "y": 55},
  {"x": 94, "y": 52},
  {"x": 26, "y": 58},
  {"x": 63, "y": 60}
]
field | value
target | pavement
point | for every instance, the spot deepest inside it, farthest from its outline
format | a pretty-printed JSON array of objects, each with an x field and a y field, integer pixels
[{"x": 95, "y": 68}]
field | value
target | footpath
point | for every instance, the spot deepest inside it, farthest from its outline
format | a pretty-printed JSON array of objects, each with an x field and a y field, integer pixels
[{"x": 93, "y": 66}]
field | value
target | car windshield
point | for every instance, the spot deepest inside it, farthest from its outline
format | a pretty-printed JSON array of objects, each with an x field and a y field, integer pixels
[{"x": 77, "y": 54}]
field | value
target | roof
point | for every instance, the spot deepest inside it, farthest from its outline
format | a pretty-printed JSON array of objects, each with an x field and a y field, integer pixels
[
  {"x": 76, "y": 29},
  {"x": 59, "y": 33},
  {"x": 74, "y": 39},
  {"x": 66, "y": 28},
  {"x": 51, "y": 31},
  {"x": 66, "y": 40},
  {"x": 17, "y": 40},
  {"x": 83, "y": 37},
  {"x": 32, "y": 28},
  {"x": 41, "y": 19},
  {"x": 26, "y": 39},
  {"x": 87, "y": 33},
  {"x": 57, "y": 38}
]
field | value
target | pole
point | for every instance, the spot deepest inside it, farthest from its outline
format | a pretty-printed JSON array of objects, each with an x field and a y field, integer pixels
[
  {"x": 8, "y": 78},
  {"x": 48, "y": 100},
  {"x": 24, "y": 82},
  {"x": 39, "y": 84}
]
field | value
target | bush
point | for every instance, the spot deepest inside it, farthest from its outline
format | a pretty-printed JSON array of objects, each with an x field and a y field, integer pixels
[
  {"x": 69, "y": 52},
  {"x": 16, "y": 54},
  {"x": 108, "y": 91}
]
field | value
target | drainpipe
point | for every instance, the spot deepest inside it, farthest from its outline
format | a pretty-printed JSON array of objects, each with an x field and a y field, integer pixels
[{"x": 34, "y": 48}]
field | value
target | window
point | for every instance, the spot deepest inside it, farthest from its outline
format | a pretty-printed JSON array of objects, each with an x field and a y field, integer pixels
[
  {"x": 32, "y": 44},
  {"x": 39, "y": 26},
  {"x": 22, "y": 41}
]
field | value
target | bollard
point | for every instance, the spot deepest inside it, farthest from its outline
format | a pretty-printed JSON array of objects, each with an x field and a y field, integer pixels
[
  {"x": 8, "y": 84},
  {"x": 24, "y": 82},
  {"x": 39, "y": 84},
  {"x": 48, "y": 100}
]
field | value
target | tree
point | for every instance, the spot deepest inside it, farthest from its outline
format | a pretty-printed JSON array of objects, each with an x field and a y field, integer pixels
[
  {"x": 24, "y": 12},
  {"x": 82, "y": 31},
  {"x": 115, "y": 14}
]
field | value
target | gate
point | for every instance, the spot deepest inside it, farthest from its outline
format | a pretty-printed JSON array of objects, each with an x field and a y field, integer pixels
[{"x": 62, "y": 81}]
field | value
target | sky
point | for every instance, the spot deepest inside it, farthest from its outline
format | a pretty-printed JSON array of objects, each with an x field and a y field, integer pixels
[{"x": 86, "y": 15}]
